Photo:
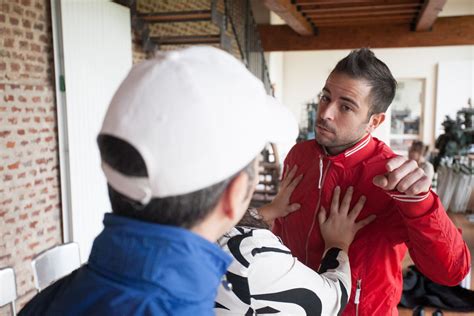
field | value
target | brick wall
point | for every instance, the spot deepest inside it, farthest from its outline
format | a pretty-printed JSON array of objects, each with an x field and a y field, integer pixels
[{"x": 29, "y": 186}]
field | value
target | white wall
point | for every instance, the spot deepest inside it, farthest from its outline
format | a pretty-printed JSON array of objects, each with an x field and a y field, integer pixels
[{"x": 304, "y": 75}]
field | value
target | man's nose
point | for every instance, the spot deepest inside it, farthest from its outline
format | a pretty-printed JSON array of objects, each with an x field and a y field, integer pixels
[{"x": 328, "y": 112}]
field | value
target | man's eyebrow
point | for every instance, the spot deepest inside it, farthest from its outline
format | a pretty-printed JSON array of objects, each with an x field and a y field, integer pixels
[
  {"x": 326, "y": 90},
  {"x": 350, "y": 101}
]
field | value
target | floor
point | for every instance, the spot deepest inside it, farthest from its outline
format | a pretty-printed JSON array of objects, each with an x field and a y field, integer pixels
[{"x": 468, "y": 235}]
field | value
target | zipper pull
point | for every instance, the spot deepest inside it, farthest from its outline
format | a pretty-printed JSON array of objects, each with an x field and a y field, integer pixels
[
  {"x": 321, "y": 165},
  {"x": 357, "y": 296}
]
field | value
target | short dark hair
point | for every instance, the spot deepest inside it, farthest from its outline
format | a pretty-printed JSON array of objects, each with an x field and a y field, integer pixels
[
  {"x": 185, "y": 210},
  {"x": 362, "y": 64}
]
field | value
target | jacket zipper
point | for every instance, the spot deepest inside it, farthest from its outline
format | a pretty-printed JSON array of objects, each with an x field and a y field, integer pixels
[
  {"x": 322, "y": 176},
  {"x": 357, "y": 296}
]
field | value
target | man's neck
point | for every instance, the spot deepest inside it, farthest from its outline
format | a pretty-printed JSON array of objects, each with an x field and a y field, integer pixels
[{"x": 336, "y": 150}]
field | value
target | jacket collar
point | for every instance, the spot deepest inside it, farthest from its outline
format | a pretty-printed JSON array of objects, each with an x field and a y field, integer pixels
[
  {"x": 355, "y": 154},
  {"x": 150, "y": 256}
]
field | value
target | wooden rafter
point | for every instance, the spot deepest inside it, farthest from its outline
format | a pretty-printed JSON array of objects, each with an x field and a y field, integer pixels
[
  {"x": 446, "y": 31},
  {"x": 325, "y": 2},
  {"x": 287, "y": 11},
  {"x": 428, "y": 14},
  {"x": 364, "y": 13},
  {"x": 321, "y": 9}
]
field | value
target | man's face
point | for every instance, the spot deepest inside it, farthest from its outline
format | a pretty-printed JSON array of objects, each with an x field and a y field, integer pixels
[{"x": 343, "y": 112}]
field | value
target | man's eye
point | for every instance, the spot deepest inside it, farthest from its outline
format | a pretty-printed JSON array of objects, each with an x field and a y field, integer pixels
[
  {"x": 324, "y": 98},
  {"x": 345, "y": 108}
]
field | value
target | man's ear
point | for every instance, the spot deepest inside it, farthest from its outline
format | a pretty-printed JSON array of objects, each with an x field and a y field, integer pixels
[
  {"x": 374, "y": 121},
  {"x": 234, "y": 197}
]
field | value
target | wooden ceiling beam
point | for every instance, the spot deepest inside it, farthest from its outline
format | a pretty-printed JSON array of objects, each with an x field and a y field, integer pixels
[
  {"x": 428, "y": 14},
  {"x": 324, "y": 2},
  {"x": 364, "y": 13},
  {"x": 457, "y": 30},
  {"x": 406, "y": 21},
  {"x": 288, "y": 12},
  {"x": 320, "y": 9},
  {"x": 368, "y": 18}
]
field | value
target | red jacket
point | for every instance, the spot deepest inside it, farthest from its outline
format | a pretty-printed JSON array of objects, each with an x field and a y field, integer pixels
[{"x": 417, "y": 222}]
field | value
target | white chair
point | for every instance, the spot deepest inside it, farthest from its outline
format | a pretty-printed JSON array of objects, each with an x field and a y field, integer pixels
[
  {"x": 8, "y": 288},
  {"x": 54, "y": 263}
]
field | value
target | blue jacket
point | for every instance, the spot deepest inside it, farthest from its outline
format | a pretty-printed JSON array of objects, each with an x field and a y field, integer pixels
[{"x": 139, "y": 268}]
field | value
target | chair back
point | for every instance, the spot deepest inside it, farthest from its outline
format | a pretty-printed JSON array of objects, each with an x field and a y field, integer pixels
[
  {"x": 54, "y": 263},
  {"x": 8, "y": 288}
]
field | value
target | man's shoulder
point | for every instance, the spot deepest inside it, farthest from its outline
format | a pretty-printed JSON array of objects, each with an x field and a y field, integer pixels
[
  {"x": 303, "y": 149},
  {"x": 381, "y": 153}
]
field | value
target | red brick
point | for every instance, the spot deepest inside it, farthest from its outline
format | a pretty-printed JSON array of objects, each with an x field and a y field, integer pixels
[
  {"x": 15, "y": 67},
  {"x": 33, "y": 224},
  {"x": 7, "y": 177},
  {"x": 23, "y": 216},
  {"x": 4, "y": 134},
  {"x": 14, "y": 21},
  {"x": 7, "y": 202},
  {"x": 10, "y": 220},
  {"x": 20, "y": 132},
  {"x": 2, "y": 18},
  {"x": 16, "y": 109},
  {"x": 11, "y": 144},
  {"x": 33, "y": 245},
  {"x": 13, "y": 120},
  {"x": 18, "y": 10},
  {"x": 27, "y": 23},
  {"x": 9, "y": 42},
  {"x": 38, "y": 26},
  {"x": 14, "y": 166}
]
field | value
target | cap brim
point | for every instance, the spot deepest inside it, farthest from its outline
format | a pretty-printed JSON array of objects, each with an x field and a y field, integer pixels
[{"x": 281, "y": 124}]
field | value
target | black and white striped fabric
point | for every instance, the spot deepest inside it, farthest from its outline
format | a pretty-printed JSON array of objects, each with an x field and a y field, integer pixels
[{"x": 267, "y": 280}]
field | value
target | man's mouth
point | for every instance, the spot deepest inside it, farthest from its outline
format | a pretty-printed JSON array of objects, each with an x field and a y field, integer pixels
[{"x": 324, "y": 129}]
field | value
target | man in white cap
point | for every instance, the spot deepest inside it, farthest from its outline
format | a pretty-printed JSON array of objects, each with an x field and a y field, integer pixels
[{"x": 178, "y": 147}]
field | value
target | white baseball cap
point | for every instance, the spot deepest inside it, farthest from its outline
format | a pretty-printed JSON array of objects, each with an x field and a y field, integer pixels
[{"x": 197, "y": 116}]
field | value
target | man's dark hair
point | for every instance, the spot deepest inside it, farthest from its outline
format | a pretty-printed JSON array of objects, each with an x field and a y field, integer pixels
[
  {"x": 362, "y": 64},
  {"x": 185, "y": 210}
]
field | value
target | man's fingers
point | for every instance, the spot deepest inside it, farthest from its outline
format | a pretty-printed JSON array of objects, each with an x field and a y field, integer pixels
[
  {"x": 408, "y": 180},
  {"x": 381, "y": 181},
  {"x": 335, "y": 200},
  {"x": 346, "y": 201},
  {"x": 285, "y": 172},
  {"x": 289, "y": 176},
  {"x": 364, "y": 222},
  {"x": 401, "y": 172},
  {"x": 294, "y": 207},
  {"x": 322, "y": 215},
  {"x": 295, "y": 182},
  {"x": 420, "y": 186},
  {"x": 395, "y": 163},
  {"x": 357, "y": 208}
]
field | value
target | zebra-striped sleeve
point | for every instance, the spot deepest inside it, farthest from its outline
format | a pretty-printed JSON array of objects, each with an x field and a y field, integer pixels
[{"x": 267, "y": 279}]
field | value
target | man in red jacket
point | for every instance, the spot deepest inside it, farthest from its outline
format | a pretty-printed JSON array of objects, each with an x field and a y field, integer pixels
[{"x": 408, "y": 214}]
